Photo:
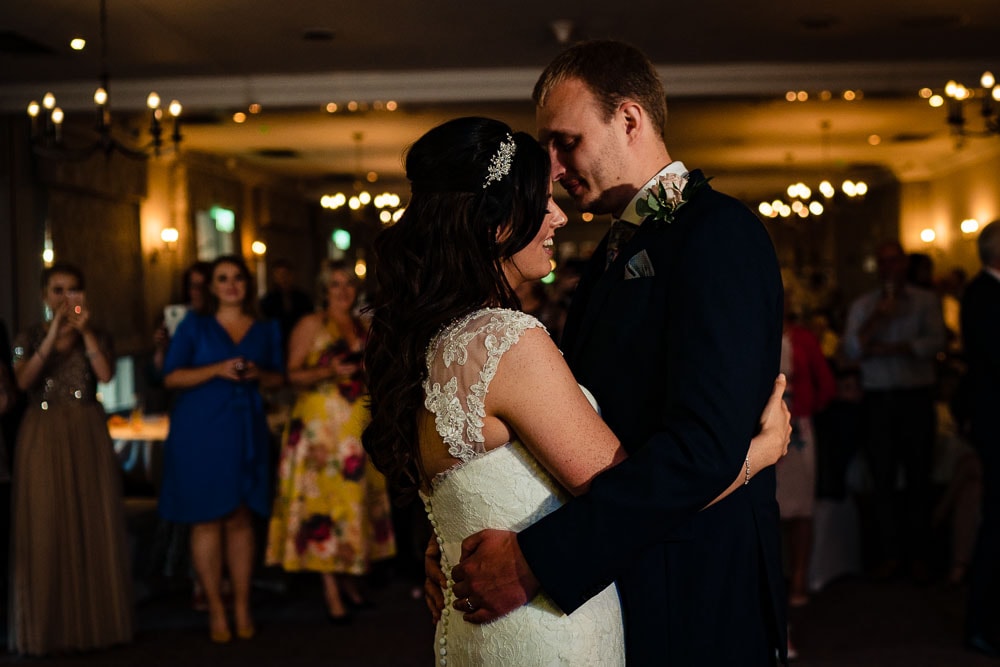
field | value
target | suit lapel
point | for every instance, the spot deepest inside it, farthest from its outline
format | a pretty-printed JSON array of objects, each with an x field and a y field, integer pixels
[{"x": 595, "y": 288}]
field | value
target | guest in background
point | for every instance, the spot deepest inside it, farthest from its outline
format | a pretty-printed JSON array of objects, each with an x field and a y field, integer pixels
[
  {"x": 951, "y": 288},
  {"x": 285, "y": 302},
  {"x": 981, "y": 342},
  {"x": 829, "y": 342},
  {"x": 835, "y": 550},
  {"x": 170, "y": 553},
  {"x": 839, "y": 430},
  {"x": 958, "y": 508},
  {"x": 71, "y": 586},
  {"x": 920, "y": 270},
  {"x": 216, "y": 468},
  {"x": 8, "y": 401},
  {"x": 895, "y": 332},
  {"x": 8, "y": 427},
  {"x": 8, "y": 396},
  {"x": 810, "y": 388},
  {"x": 193, "y": 285},
  {"x": 331, "y": 513}
]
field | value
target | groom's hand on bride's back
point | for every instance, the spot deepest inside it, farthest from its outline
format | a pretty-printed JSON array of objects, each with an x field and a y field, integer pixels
[{"x": 492, "y": 576}]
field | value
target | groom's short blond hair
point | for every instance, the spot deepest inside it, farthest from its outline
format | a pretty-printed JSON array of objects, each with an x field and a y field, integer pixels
[{"x": 614, "y": 72}]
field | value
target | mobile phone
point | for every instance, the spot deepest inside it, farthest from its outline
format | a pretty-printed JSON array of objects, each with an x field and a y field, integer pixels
[
  {"x": 172, "y": 316},
  {"x": 75, "y": 299}
]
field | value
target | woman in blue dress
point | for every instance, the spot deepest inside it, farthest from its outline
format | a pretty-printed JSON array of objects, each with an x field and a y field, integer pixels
[{"x": 216, "y": 469}]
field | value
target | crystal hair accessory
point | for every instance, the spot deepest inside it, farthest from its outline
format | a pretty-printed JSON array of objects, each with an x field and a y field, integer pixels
[{"x": 501, "y": 161}]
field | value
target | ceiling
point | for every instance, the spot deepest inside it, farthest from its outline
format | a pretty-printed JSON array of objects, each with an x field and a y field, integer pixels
[{"x": 726, "y": 64}]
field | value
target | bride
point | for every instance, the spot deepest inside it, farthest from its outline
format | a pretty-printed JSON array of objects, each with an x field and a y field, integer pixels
[{"x": 472, "y": 404}]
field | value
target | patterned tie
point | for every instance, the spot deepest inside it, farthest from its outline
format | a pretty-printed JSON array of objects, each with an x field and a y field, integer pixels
[{"x": 621, "y": 232}]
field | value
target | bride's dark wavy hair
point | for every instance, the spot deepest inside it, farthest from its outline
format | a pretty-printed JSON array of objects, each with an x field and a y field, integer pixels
[{"x": 443, "y": 259}]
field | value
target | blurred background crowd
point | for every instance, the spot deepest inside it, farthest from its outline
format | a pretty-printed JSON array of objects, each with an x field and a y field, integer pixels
[{"x": 238, "y": 463}]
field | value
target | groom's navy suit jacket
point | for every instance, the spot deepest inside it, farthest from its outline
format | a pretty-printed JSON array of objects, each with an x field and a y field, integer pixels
[{"x": 681, "y": 358}]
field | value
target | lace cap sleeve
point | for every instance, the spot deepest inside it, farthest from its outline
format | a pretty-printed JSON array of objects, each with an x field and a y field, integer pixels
[{"x": 461, "y": 362}]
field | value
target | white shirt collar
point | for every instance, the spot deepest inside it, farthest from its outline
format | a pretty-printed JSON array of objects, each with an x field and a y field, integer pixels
[
  {"x": 629, "y": 214},
  {"x": 993, "y": 272}
]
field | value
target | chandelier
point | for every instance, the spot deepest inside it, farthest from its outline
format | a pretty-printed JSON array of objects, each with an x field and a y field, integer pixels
[
  {"x": 800, "y": 200},
  {"x": 388, "y": 204},
  {"x": 803, "y": 204},
  {"x": 958, "y": 96},
  {"x": 47, "y": 119}
]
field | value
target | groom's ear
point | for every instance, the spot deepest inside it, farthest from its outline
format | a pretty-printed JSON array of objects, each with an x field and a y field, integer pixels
[{"x": 633, "y": 117}]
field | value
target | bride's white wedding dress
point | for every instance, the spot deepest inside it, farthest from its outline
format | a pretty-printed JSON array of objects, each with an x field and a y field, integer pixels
[{"x": 504, "y": 488}]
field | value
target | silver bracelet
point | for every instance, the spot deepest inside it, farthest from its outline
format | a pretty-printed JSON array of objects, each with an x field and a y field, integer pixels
[{"x": 746, "y": 478}]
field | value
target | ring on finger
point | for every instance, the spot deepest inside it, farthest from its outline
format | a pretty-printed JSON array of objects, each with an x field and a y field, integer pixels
[{"x": 468, "y": 605}]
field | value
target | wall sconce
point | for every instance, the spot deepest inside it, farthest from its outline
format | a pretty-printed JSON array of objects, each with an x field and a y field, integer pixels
[
  {"x": 169, "y": 236},
  {"x": 969, "y": 226},
  {"x": 928, "y": 235},
  {"x": 259, "y": 249}
]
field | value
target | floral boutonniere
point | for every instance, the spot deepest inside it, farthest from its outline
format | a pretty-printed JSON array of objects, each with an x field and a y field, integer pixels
[{"x": 661, "y": 200}]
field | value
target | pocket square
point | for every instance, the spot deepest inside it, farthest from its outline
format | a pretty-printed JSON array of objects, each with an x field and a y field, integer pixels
[{"x": 639, "y": 266}]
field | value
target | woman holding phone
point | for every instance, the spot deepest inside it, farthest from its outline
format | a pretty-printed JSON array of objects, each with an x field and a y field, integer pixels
[
  {"x": 70, "y": 587},
  {"x": 331, "y": 512},
  {"x": 216, "y": 469}
]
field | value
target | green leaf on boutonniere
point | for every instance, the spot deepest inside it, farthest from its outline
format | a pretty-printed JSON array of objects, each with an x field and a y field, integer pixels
[{"x": 668, "y": 193}]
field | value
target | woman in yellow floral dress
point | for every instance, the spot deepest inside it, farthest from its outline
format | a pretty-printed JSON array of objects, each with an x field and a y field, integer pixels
[{"x": 331, "y": 511}]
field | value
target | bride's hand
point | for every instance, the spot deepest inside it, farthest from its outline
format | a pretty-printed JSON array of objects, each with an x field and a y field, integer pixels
[
  {"x": 771, "y": 443},
  {"x": 775, "y": 425}
]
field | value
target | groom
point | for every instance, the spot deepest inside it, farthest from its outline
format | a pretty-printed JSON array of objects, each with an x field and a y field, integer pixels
[{"x": 677, "y": 332}]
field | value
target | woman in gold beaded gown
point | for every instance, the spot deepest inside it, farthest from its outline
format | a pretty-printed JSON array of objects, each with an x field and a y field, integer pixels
[{"x": 70, "y": 585}]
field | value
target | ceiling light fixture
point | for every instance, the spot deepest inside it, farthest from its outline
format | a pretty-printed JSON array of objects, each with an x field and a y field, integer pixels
[
  {"x": 47, "y": 119},
  {"x": 387, "y": 203},
  {"x": 802, "y": 203},
  {"x": 957, "y": 96},
  {"x": 801, "y": 199}
]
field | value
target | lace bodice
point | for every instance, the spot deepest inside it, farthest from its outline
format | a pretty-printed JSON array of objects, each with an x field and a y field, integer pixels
[
  {"x": 504, "y": 488},
  {"x": 461, "y": 362}
]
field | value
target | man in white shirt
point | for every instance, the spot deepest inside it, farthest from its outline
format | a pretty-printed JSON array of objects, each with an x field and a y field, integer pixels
[{"x": 894, "y": 333}]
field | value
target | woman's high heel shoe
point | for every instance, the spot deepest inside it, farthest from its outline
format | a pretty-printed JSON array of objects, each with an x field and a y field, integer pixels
[
  {"x": 246, "y": 633},
  {"x": 218, "y": 631},
  {"x": 220, "y": 636}
]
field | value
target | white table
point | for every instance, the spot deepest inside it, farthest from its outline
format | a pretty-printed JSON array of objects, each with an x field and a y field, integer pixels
[{"x": 139, "y": 446}]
